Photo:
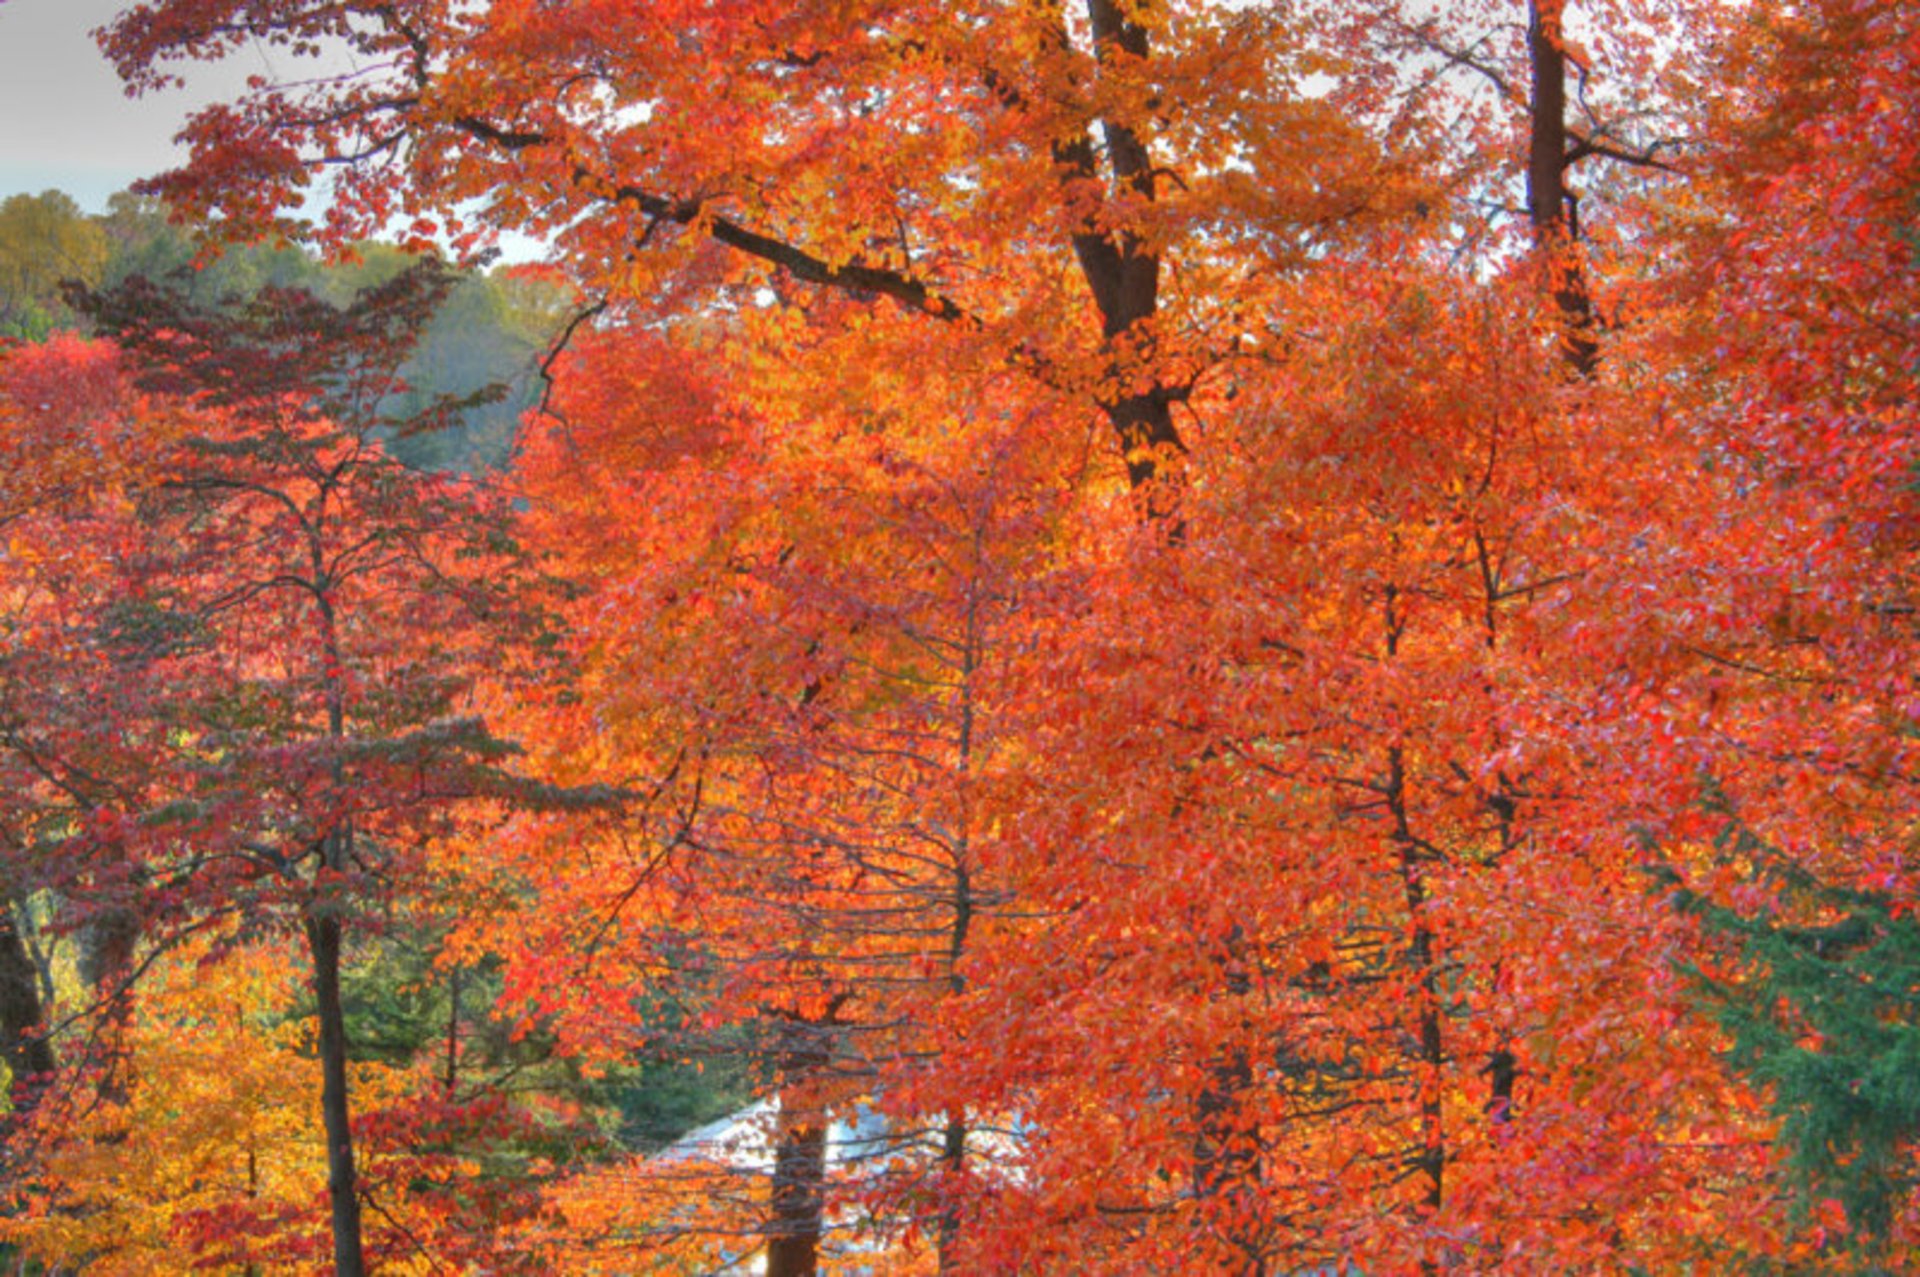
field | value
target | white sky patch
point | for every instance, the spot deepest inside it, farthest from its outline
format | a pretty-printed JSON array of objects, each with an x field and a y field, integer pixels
[{"x": 65, "y": 120}]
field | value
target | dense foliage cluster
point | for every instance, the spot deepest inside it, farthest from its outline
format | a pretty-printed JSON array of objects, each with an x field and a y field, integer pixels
[{"x": 1163, "y": 636}]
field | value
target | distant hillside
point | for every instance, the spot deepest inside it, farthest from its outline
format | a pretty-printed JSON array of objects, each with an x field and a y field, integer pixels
[{"x": 493, "y": 330}]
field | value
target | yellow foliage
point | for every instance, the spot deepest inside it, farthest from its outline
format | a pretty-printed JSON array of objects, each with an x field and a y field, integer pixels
[{"x": 215, "y": 1152}]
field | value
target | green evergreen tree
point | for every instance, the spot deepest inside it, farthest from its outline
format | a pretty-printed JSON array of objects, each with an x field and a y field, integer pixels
[{"x": 1822, "y": 1001}]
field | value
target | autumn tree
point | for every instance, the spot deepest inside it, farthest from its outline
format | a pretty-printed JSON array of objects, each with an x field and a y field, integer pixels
[
  {"x": 1426, "y": 597},
  {"x": 805, "y": 694},
  {"x": 79, "y": 749},
  {"x": 1026, "y": 179},
  {"x": 963, "y": 165},
  {"x": 1799, "y": 275},
  {"x": 331, "y": 607},
  {"x": 208, "y": 1152}
]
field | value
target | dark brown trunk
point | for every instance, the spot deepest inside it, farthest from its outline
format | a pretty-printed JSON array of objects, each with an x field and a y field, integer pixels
[
  {"x": 23, "y": 1039},
  {"x": 1502, "y": 1068},
  {"x": 1549, "y": 203},
  {"x": 798, "y": 1214},
  {"x": 326, "y": 931},
  {"x": 324, "y": 934},
  {"x": 1430, "y": 1159},
  {"x": 1504, "y": 1071},
  {"x": 1547, "y": 149},
  {"x": 953, "y": 1161},
  {"x": 1124, "y": 276},
  {"x": 253, "y": 1191},
  {"x": 451, "y": 1080},
  {"x": 800, "y": 1167},
  {"x": 953, "y": 1143},
  {"x": 1151, "y": 442}
]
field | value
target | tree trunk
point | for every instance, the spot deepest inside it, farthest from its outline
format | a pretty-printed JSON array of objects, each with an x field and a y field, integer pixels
[
  {"x": 324, "y": 934},
  {"x": 1429, "y": 1159},
  {"x": 23, "y": 1040},
  {"x": 800, "y": 1158},
  {"x": 953, "y": 1143},
  {"x": 106, "y": 965},
  {"x": 1549, "y": 203},
  {"x": 451, "y": 1079},
  {"x": 1226, "y": 1154},
  {"x": 1123, "y": 274},
  {"x": 953, "y": 1162},
  {"x": 1547, "y": 144},
  {"x": 1503, "y": 1071}
]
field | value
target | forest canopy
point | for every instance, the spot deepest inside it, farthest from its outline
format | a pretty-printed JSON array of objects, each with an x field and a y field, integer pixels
[{"x": 1097, "y": 637}]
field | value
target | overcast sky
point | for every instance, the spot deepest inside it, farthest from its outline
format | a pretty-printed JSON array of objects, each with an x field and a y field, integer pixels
[{"x": 65, "y": 122}]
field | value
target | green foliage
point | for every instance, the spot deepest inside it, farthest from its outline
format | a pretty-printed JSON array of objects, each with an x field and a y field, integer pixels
[
  {"x": 44, "y": 240},
  {"x": 481, "y": 352},
  {"x": 492, "y": 332},
  {"x": 661, "y": 1096},
  {"x": 1823, "y": 1004},
  {"x": 403, "y": 1007}
]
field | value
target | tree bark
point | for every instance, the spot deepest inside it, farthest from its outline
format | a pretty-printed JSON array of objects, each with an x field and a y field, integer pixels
[
  {"x": 106, "y": 965},
  {"x": 798, "y": 1214},
  {"x": 1429, "y": 1159},
  {"x": 953, "y": 1163},
  {"x": 1124, "y": 277},
  {"x": 451, "y": 1079},
  {"x": 953, "y": 1142},
  {"x": 325, "y": 932},
  {"x": 1226, "y": 1155},
  {"x": 23, "y": 1041},
  {"x": 1549, "y": 202}
]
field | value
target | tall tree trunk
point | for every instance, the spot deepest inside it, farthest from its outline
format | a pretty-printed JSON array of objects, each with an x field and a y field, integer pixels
[
  {"x": 1123, "y": 274},
  {"x": 1502, "y": 1071},
  {"x": 326, "y": 930},
  {"x": 23, "y": 1039},
  {"x": 798, "y": 1206},
  {"x": 953, "y": 1141},
  {"x": 1549, "y": 202},
  {"x": 451, "y": 1078},
  {"x": 324, "y": 935},
  {"x": 1503, "y": 1067},
  {"x": 1547, "y": 138},
  {"x": 1556, "y": 232},
  {"x": 953, "y": 1164},
  {"x": 1431, "y": 1159}
]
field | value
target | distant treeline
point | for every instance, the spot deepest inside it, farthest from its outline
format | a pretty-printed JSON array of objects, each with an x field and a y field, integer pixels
[{"x": 493, "y": 330}]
